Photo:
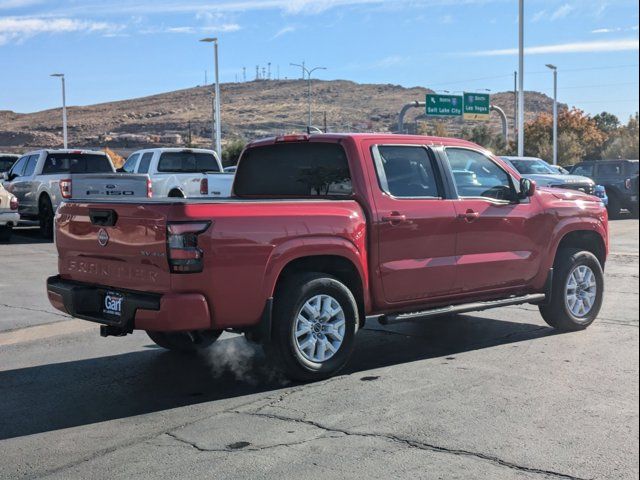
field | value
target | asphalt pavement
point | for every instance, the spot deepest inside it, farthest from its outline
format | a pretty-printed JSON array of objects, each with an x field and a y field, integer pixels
[{"x": 491, "y": 395}]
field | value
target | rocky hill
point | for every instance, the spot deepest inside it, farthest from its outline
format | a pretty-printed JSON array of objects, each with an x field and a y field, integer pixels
[{"x": 249, "y": 110}]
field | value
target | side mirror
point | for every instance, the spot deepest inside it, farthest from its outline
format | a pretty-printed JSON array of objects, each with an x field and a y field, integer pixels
[
  {"x": 120, "y": 170},
  {"x": 5, "y": 176},
  {"x": 527, "y": 188}
]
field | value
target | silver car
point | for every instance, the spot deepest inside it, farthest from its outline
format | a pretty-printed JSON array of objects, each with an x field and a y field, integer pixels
[{"x": 42, "y": 178}]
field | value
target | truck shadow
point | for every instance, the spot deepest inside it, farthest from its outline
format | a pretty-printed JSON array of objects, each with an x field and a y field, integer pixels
[
  {"x": 56, "y": 396},
  {"x": 29, "y": 234}
]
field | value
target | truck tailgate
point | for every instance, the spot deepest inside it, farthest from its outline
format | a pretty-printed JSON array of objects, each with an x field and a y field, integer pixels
[
  {"x": 121, "y": 245},
  {"x": 109, "y": 186}
]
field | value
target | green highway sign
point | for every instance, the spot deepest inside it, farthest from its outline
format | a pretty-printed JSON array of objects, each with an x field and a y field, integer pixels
[
  {"x": 444, "y": 105},
  {"x": 477, "y": 106}
]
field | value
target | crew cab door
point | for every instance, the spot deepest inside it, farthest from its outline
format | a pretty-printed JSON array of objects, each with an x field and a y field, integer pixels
[
  {"x": 415, "y": 225},
  {"x": 499, "y": 237}
]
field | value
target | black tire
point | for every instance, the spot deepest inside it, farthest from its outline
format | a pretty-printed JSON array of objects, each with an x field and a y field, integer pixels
[
  {"x": 5, "y": 233},
  {"x": 185, "y": 342},
  {"x": 289, "y": 300},
  {"x": 557, "y": 313},
  {"x": 45, "y": 217},
  {"x": 614, "y": 207}
]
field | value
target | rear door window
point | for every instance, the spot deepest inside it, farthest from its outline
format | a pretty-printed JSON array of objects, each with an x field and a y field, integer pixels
[
  {"x": 407, "y": 171},
  {"x": 585, "y": 170},
  {"x": 611, "y": 169},
  {"x": 145, "y": 161},
  {"x": 6, "y": 163},
  {"x": 632, "y": 168},
  {"x": 297, "y": 169},
  {"x": 76, "y": 163},
  {"x": 30, "y": 167},
  {"x": 187, "y": 162}
]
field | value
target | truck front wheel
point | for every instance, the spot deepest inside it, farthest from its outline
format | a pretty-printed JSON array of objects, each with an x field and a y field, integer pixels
[
  {"x": 185, "y": 342},
  {"x": 315, "y": 319},
  {"x": 577, "y": 292}
]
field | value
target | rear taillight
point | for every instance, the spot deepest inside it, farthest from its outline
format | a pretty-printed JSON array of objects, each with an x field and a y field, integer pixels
[
  {"x": 65, "y": 188},
  {"x": 182, "y": 245},
  {"x": 13, "y": 203},
  {"x": 149, "y": 188},
  {"x": 627, "y": 184},
  {"x": 204, "y": 186}
]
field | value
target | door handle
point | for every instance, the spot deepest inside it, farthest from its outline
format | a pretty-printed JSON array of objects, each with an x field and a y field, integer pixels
[
  {"x": 394, "y": 217},
  {"x": 469, "y": 216}
]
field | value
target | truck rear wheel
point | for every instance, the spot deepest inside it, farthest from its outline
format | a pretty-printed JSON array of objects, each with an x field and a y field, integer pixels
[
  {"x": 577, "y": 292},
  {"x": 315, "y": 319},
  {"x": 45, "y": 217},
  {"x": 614, "y": 207},
  {"x": 185, "y": 342}
]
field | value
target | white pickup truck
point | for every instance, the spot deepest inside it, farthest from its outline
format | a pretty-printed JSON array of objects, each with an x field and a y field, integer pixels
[{"x": 160, "y": 173}]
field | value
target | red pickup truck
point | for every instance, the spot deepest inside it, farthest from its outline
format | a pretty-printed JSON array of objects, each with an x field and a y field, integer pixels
[{"x": 323, "y": 231}]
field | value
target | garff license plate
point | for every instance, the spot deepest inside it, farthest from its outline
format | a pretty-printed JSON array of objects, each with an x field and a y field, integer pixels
[{"x": 112, "y": 304}]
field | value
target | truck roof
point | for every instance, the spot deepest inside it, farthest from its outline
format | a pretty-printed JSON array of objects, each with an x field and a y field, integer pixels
[
  {"x": 358, "y": 137},
  {"x": 175, "y": 149},
  {"x": 67, "y": 150}
]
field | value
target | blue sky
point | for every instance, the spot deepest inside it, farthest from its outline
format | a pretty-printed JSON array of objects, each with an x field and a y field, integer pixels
[{"x": 114, "y": 49}]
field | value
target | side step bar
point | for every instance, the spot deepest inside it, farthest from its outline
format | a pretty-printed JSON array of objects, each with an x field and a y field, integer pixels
[{"x": 463, "y": 308}]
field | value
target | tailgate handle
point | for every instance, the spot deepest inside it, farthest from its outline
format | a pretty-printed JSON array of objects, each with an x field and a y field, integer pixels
[{"x": 104, "y": 218}]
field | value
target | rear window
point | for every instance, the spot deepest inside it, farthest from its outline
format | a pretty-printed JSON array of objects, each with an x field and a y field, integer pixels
[
  {"x": 632, "y": 168},
  {"x": 294, "y": 169},
  {"x": 187, "y": 162},
  {"x": 76, "y": 163}
]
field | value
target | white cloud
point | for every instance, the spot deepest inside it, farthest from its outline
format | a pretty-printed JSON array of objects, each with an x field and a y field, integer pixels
[
  {"x": 576, "y": 47},
  {"x": 11, "y": 4},
  {"x": 539, "y": 16},
  {"x": 615, "y": 30},
  {"x": 561, "y": 12},
  {"x": 21, "y": 28},
  {"x": 284, "y": 31}
]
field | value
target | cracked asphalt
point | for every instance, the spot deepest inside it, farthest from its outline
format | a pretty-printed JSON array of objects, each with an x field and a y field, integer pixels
[{"x": 491, "y": 395}]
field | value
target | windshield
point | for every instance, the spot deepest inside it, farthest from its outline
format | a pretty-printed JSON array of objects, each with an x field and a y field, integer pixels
[
  {"x": 187, "y": 162},
  {"x": 533, "y": 167}
]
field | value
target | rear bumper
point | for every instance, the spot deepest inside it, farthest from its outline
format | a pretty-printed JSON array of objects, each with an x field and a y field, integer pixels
[
  {"x": 140, "y": 310},
  {"x": 9, "y": 218}
]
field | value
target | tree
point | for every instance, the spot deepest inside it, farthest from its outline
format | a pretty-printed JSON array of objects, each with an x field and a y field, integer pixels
[
  {"x": 482, "y": 135},
  {"x": 579, "y": 137},
  {"x": 623, "y": 142},
  {"x": 231, "y": 152}
]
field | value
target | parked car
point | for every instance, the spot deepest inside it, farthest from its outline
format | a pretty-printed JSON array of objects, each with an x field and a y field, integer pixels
[
  {"x": 42, "y": 178},
  {"x": 231, "y": 169},
  {"x": 618, "y": 178},
  {"x": 324, "y": 230},
  {"x": 546, "y": 175},
  {"x": 9, "y": 216}
]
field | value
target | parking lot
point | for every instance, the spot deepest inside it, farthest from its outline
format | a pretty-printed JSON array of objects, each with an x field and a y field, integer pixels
[{"x": 494, "y": 395}]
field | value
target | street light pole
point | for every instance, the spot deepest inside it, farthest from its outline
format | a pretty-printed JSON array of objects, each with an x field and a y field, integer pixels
[
  {"x": 308, "y": 72},
  {"x": 555, "y": 112},
  {"x": 64, "y": 108},
  {"x": 521, "y": 78},
  {"x": 216, "y": 102}
]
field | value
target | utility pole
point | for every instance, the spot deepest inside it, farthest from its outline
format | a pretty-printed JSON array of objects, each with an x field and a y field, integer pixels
[
  {"x": 308, "y": 72},
  {"x": 555, "y": 112},
  {"x": 257, "y": 72},
  {"x": 206, "y": 80},
  {"x": 216, "y": 101},
  {"x": 269, "y": 71},
  {"x": 515, "y": 102},
  {"x": 64, "y": 108},
  {"x": 244, "y": 74},
  {"x": 521, "y": 78}
]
